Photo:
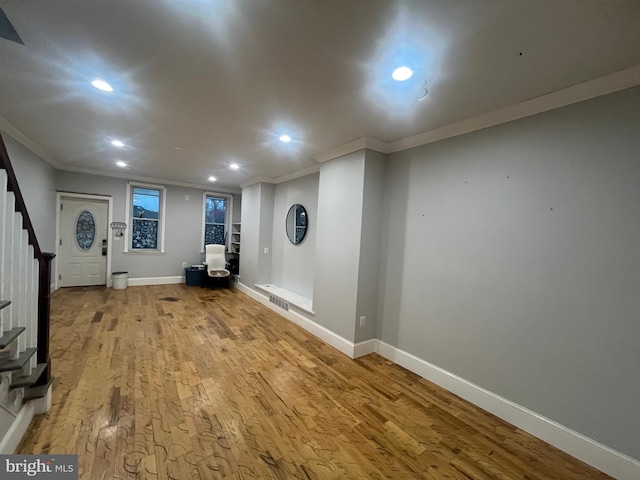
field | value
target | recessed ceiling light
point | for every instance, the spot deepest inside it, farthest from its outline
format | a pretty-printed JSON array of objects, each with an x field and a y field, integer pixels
[
  {"x": 120, "y": 163},
  {"x": 117, "y": 143},
  {"x": 402, "y": 73},
  {"x": 212, "y": 179},
  {"x": 102, "y": 85},
  {"x": 234, "y": 166},
  {"x": 285, "y": 138}
]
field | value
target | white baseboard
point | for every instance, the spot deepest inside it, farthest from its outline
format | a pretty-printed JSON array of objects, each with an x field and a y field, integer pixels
[
  {"x": 136, "y": 282},
  {"x": 18, "y": 428},
  {"x": 605, "y": 459},
  {"x": 324, "y": 334},
  {"x": 366, "y": 347},
  {"x": 597, "y": 455}
]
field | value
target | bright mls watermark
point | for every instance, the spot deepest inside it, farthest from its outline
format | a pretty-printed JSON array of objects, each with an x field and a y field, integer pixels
[{"x": 51, "y": 467}]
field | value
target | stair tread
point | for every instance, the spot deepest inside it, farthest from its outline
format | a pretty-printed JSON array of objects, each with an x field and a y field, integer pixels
[
  {"x": 18, "y": 381},
  {"x": 4, "y": 303},
  {"x": 7, "y": 365},
  {"x": 9, "y": 336},
  {"x": 38, "y": 392}
]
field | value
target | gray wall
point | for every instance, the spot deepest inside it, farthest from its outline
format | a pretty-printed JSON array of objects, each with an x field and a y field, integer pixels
[
  {"x": 513, "y": 260},
  {"x": 36, "y": 181},
  {"x": 236, "y": 214},
  {"x": 267, "y": 195},
  {"x": 250, "y": 237},
  {"x": 340, "y": 196},
  {"x": 370, "y": 245},
  {"x": 293, "y": 265},
  {"x": 257, "y": 234},
  {"x": 183, "y": 237}
]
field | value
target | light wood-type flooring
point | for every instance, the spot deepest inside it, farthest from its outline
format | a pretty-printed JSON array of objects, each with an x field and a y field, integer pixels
[{"x": 176, "y": 382}]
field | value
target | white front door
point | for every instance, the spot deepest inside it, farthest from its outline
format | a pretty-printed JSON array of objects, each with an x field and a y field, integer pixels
[{"x": 83, "y": 248}]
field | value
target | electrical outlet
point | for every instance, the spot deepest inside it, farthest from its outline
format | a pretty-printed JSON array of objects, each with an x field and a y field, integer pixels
[
  {"x": 186, "y": 197},
  {"x": 266, "y": 250},
  {"x": 363, "y": 320},
  {"x": 184, "y": 264}
]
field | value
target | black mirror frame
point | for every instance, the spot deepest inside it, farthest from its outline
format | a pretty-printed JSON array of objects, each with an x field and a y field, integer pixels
[{"x": 292, "y": 235}]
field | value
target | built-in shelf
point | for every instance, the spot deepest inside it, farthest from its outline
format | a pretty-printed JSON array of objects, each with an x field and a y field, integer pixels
[
  {"x": 295, "y": 300},
  {"x": 235, "y": 237}
]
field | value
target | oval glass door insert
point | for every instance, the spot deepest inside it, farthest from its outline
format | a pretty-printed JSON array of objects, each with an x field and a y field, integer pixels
[{"x": 85, "y": 231}]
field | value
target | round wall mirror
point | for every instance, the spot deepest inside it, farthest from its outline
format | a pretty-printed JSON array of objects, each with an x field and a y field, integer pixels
[{"x": 296, "y": 223}]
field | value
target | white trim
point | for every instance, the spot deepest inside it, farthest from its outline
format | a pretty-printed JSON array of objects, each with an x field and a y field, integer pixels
[
  {"x": 581, "y": 447},
  {"x": 621, "y": 80},
  {"x": 254, "y": 180},
  {"x": 293, "y": 299},
  {"x": 18, "y": 428},
  {"x": 136, "y": 282},
  {"x": 365, "y": 347},
  {"x": 284, "y": 178},
  {"x": 102, "y": 198},
  {"x": 370, "y": 143},
  {"x": 300, "y": 173},
  {"x": 20, "y": 137},
  {"x": 140, "y": 178},
  {"x": 598, "y": 87},
  {"x": 324, "y": 334},
  {"x": 162, "y": 217}
]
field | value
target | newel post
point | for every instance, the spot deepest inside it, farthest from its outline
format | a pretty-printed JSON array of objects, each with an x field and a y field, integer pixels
[{"x": 44, "y": 314}]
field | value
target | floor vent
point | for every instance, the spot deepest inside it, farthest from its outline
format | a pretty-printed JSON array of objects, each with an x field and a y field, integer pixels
[{"x": 279, "y": 302}]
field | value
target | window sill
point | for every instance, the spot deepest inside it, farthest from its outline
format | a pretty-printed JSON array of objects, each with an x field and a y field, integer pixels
[{"x": 143, "y": 252}]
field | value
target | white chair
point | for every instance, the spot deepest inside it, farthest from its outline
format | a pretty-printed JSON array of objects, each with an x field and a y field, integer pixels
[{"x": 216, "y": 262}]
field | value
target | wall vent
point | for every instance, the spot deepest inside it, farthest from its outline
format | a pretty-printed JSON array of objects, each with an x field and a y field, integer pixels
[{"x": 279, "y": 302}]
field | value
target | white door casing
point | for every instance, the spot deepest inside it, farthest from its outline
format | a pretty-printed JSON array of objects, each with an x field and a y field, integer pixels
[{"x": 81, "y": 261}]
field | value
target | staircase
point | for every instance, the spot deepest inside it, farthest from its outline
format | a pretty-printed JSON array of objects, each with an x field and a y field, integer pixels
[{"x": 25, "y": 377}]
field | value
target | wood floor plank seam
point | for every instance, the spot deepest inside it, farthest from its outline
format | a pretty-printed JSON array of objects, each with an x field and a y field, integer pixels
[{"x": 183, "y": 383}]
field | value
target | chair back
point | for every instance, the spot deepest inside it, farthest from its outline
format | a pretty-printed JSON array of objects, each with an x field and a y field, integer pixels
[{"x": 215, "y": 257}]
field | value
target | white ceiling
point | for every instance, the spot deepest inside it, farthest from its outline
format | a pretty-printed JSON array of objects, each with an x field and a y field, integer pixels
[{"x": 199, "y": 84}]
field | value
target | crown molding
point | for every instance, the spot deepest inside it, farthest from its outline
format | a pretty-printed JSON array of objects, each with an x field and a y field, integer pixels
[
  {"x": 300, "y": 173},
  {"x": 598, "y": 87},
  {"x": 284, "y": 178},
  {"x": 370, "y": 143},
  {"x": 140, "y": 178},
  {"x": 254, "y": 180},
  {"x": 11, "y": 130},
  {"x": 621, "y": 80}
]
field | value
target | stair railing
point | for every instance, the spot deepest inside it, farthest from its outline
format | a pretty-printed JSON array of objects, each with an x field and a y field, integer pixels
[{"x": 44, "y": 267}]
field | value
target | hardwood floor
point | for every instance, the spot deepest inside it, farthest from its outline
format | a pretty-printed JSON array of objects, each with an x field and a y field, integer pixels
[{"x": 176, "y": 382}]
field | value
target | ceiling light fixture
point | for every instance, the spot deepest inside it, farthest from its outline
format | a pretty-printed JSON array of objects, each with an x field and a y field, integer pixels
[
  {"x": 117, "y": 143},
  {"x": 212, "y": 179},
  {"x": 285, "y": 138},
  {"x": 402, "y": 73},
  {"x": 120, "y": 163},
  {"x": 102, "y": 85},
  {"x": 234, "y": 166}
]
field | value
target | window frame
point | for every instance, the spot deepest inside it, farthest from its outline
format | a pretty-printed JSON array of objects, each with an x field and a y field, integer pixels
[
  {"x": 227, "y": 217},
  {"x": 161, "y": 217}
]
